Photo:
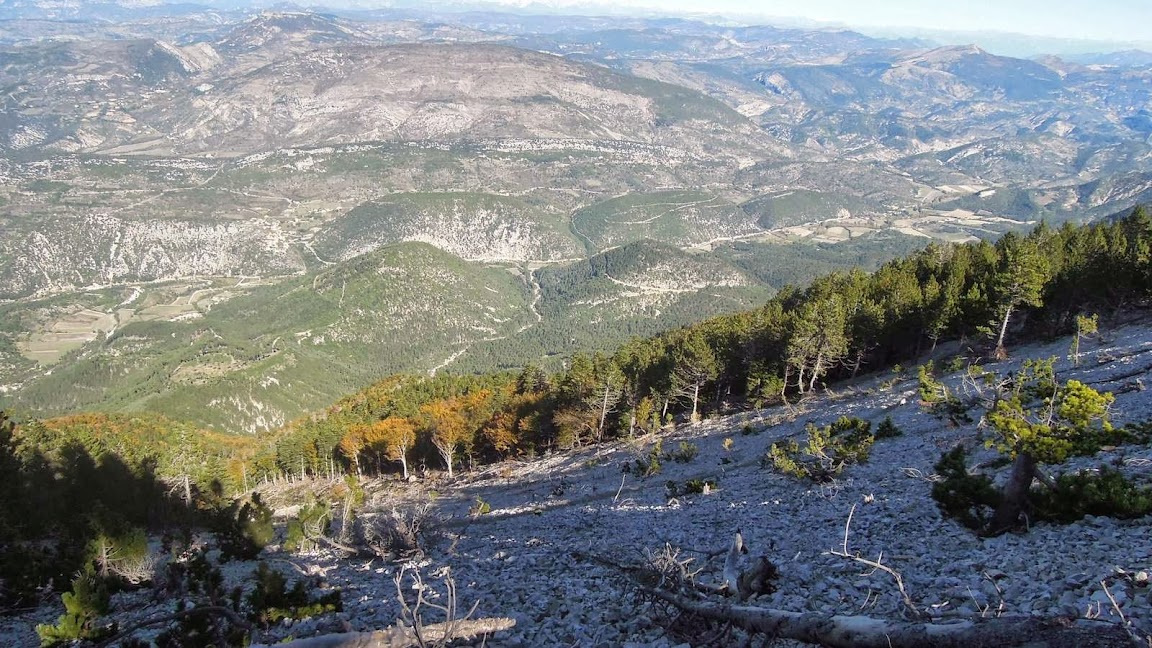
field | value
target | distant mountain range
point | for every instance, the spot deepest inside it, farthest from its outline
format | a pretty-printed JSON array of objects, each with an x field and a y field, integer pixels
[{"x": 235, "y": 217}]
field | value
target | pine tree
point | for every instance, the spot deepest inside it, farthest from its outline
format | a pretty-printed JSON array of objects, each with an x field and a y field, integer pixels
[
  {"x": 694, "y": 364},
  {"x": 1043, "y": 422},
  {"x": 1019, "y": 280}
]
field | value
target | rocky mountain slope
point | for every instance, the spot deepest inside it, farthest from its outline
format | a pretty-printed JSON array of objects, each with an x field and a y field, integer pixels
[
  {"x": 520, "y": 559},
  {"x": 180, "y": 168}
]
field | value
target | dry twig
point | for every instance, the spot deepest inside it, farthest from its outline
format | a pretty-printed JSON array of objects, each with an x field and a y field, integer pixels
[{"x": 877, "y": 565}]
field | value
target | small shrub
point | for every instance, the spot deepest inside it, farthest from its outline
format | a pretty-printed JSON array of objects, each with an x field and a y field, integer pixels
[
  {"x": 272, "y": 601},
  {"x": 686, "y": 452},
  {"x": 125, "y": 558},
  {"x": 202, "y": 583},
  {"x": 697, "y": 486},
  {"x": 955, "y": 364},
  {"x": 826, "y": 451},
  {"x": 931, "y": 390},
  {"x": 935, "y": 398},
  {"x": 1107, "y": 493},
  {"x": 887, "y": 429},
  {"x": 647, "y": 464},
  {"x": 351, "y": 498},
  {"x": 728, "y": 444},
  {"x": 86, "y": 603},
  {"x": 968, "y": 499},
  {"x": 480, "y": 507},
  {"x": 690, "y": 487},
  {"x": 245, "y": 532},
  {"x": 314, "y": 521}
]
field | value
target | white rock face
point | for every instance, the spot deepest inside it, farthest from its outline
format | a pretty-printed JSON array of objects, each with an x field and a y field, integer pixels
[{"x": 101, "y": 250}]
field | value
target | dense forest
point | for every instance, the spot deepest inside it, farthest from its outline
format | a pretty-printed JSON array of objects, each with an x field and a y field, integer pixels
[
  {"x": 76, "y": 477},
  {"x": 839, "y": 326}
]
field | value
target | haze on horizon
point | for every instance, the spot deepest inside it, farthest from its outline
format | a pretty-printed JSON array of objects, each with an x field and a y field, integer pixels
[{"x": 1095, "y": 20}]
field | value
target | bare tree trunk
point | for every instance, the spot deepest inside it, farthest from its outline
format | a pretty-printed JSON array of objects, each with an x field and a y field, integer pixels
[
  {"x": 1003, "y": 332},
  {"x": 1015, "y": 494},
  {"x": 866, "y": 632},
  {"x": 603, "y": 409},
  {"x": 446, "y": 455},
  {"x": 403, "y": 464},
  {"x": 695, "y": 399},
  {"x": 816, "y": 372},
  {"x": 433, "y": 634}
]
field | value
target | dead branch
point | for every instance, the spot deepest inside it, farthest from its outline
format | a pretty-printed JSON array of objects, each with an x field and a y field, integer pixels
[
  {"x": 402, "y": 636},
  {"x": 877, "y": 565},
  {"x": 841, "y": 631},
  {"x": 219, "y": 610}
]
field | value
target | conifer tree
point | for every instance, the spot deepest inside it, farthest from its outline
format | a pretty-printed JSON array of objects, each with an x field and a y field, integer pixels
[
  {"x": 694, "y": 364},
  {"x": 1043, "y": 422},
  {"x": 1018, "y": 281}
]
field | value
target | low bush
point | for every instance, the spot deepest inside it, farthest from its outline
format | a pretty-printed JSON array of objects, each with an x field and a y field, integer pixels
[
  {"x": 198, "y": 584},
  {"x": 313, "y": 522},
  {"x": 480, "y": 507},
  {"x": 83, "y": 606},
  {"x": 969, "y": 499},
  {"x": 647, "y": 464},
  {"x": 1105, "y": 493},
  {"x": 887, "y": 429},
  {"x": 125, "y": 558},
  {"x": 937, "y": 399},
  {"x": 685, "y": 453},
  {"x": 244, "y": 531},
  {"x": 825, "y": 452},
  {"x": 272, "y": 600},
  {"x": 690, "y": 487}
]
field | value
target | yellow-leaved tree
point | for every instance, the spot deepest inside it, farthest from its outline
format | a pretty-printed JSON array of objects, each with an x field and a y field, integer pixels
[{"x": 392, "y": 437}]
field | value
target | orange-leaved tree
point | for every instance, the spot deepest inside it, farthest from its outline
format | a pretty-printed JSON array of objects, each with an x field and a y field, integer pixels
[{"x": 393, "y": 437}]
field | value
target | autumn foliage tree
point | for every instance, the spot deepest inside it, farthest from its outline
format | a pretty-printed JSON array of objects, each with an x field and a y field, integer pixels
[
  {"x": 392, "y": 438},
  {"x": 452, "y": 424}
]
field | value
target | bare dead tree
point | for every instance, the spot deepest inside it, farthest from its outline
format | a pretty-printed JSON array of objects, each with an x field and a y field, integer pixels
[{"x": 719, "y": 617}]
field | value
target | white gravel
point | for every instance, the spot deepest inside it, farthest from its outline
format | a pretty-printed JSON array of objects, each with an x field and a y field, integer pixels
[{"x": 517, "y": 561}]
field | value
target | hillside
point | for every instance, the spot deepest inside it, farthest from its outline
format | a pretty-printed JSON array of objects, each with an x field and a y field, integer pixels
[
  {"x": 250, "y": 357},
  {"x": 661, "y": 440},
  {"x": 547, "y": 512},
  {"x": 190, "y": 167},
  {"x": 481, "y": 227},
  {"x": 255, "y": 362}
]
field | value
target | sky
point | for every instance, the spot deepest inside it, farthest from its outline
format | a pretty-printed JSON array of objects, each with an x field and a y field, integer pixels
[{"x": 1110, "y": 20}]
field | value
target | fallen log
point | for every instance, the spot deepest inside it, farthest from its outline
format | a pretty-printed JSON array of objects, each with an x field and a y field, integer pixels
[
  {"x": 841, "y": 631},
  {"x": 403, "y": 636}
]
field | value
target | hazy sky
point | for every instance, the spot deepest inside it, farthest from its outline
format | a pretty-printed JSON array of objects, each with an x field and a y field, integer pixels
[{"x": 1114, "y": 20}]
